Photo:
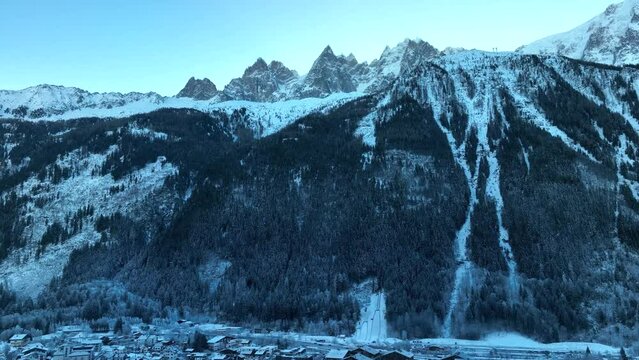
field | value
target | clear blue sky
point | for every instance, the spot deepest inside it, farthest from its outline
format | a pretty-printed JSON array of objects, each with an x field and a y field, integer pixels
[{"x": 156, "y": 45}]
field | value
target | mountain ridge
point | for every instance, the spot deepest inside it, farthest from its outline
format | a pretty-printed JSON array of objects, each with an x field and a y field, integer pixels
[
  {"x": 609, "y": 38},
  {"x": 504, "y": 186},
  {"x": 261, "y": 82}
]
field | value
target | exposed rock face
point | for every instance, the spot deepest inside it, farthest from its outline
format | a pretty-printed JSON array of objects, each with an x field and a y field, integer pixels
[
  {"x": 198, "y": 89},
  {"x": 330, "y": 74},
  {"x": 261, "y": 82},
  {"x": 406, "y": 54},
  {"x": 610, "y": 38}
]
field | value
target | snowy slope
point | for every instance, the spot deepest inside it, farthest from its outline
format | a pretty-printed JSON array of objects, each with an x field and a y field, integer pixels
[
  {"x": 505, "y": 340},
  {"x": 266, "y": 117},
  {"x": 610, "y": 38},
  {"x": 477, "y": 83},
  {"x": 49, "y": 101}
]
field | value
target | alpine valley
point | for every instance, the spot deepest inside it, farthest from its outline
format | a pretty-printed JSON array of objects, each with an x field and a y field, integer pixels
[{"x": 462, "y": 192}]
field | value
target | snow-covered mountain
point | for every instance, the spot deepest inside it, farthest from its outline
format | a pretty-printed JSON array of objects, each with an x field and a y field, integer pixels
[
  {"x": 49, "y": 101},
  {"x": 610, "y": 38},
  {"x": 504, "y": 185},
  {"x": 261, "y": 83}
]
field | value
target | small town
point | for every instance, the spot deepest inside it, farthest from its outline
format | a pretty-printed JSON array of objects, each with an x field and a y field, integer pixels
[
  {"x": 184, "y": 339},
  {"x": 189, "y": 340}
]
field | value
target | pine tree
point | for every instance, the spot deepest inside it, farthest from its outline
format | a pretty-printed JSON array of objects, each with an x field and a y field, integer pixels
[
  {"x": 199, "y": 342},
  {"x": 622, "y": 354},
  {"x": 117, "y": 328}
]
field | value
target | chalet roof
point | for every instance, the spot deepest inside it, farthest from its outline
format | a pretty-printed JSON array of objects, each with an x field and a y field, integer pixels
[
  {"x": 217, "y": 339},
  {"x": 293, "y": 351},
  {"x": 399, "y": 352},
  {"x": 336, "y": 354},
  {"x": 360, "y": 356},
  {"x": 371, "y": 350},
  {"x": 247, "y": 350},
  {"x": 18, "y": 337},
  {"x": 34, "y": 347}
]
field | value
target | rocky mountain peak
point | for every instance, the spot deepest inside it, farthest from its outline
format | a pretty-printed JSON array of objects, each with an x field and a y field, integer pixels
[
  {"x": 259, "y": 66},
  {"x": 197, "y": 89},
  {"x": 260, "y": 82},
  {"x": 329, "y": 74},
  {"x": 327, "y": 52}
]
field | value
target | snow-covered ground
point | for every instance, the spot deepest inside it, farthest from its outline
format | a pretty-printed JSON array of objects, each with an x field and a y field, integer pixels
[
  {"x": 499, "y": 342},
  {"x": 372, "y": 326},
  {"x": 507, "y": 340}
]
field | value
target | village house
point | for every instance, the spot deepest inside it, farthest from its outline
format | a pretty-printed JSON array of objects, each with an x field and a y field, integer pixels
[
  {"x": 229, "y": 353},
  {"x": 20, "y": 340},
  {"x": 88, "y": 345},
  {"x": 239, "y": 342},
  {"x": 359, "y": 356},
  {"x": 219, "y": 342},
  {"x": 336, "y": 354},
  {"x": 263, "y": 352},
  {"x": 197, "y": 356},
  {"x": 70, "y": 330},
  {"x": 112, "y": 352},
  {"x": 34, "y": 351},
  {"x": 147, "y": 340},
  {"x": 366, "y": 351}
]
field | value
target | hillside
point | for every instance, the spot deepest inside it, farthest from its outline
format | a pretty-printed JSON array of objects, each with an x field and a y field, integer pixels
[{"x": 477, "y": 191}]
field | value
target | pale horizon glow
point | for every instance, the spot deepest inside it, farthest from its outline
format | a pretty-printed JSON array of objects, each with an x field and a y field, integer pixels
[{"x": 157, "y": 45}]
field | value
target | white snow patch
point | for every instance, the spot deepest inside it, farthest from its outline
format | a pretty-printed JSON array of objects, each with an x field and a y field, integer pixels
[
  {"x": 493, "y": 190},
  {"x": 516, "y": 341},
  {"x": 268, "y": 117},
  {"x": 28, "y": 275},
  {"x": 366, "y": 130},
  {"x": 147, "y": 133},
  {"x": 526, "y": 157}
]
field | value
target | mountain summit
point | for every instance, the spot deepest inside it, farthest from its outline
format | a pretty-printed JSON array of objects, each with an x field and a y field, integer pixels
[
  {"x": 260, "y": 82},
  {"x": 610, "y": 38},
  {"x": 199, "y": 89}
]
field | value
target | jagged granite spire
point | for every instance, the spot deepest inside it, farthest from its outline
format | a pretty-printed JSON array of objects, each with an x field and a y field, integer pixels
[
  {"x": 261, "y": 82},
  {"x": 197, "y": 89},
  {"x": 329, "y": 74}
]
